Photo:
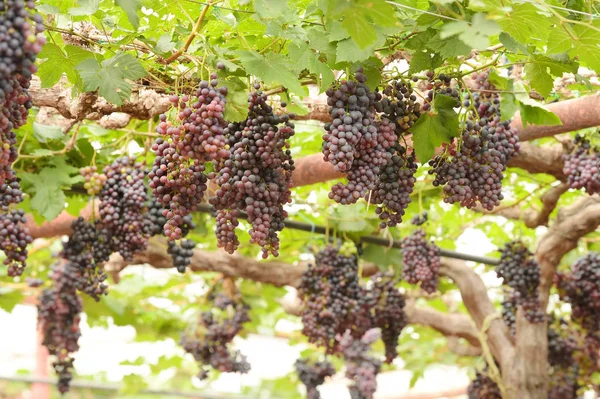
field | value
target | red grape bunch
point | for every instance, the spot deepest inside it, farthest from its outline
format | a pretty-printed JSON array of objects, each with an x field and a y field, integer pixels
[
  {"x": 94, "y": 181},
  {"x": 80, "y": 251},
  {"x": 361, "y": 367},
  {"x": 178, "y": 178},
  {"x": 399, "y": 105},
  {"x": 122, "y": 208},
  {"x": 256, "y": 177},
  {"x": 313, "y": 375},
  {"x": 182, "y": 252},
  {"x": 421, "y": 261},
  {"x": 482, "y": 387},
  {"x": 472, "y": 171},
  {"x": 520, "y": 272},
  {"x": 59, "y": 309},
  {"x": 581, "y": 288},
  {"x": 331, "y": 296},
  {"x": 582, "y": 166},
  {"x": 209, "y": 340}
]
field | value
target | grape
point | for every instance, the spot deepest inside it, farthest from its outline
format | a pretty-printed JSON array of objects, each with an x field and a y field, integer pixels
[
  {"x": 94, "y": 181},
  {"x": 419, "y": 220},
  {"x": 59, "y": 310},
  {"x": 79, "y": 251},
  {"x": 177, "y": 178},
  {"x": 256, "y": 176},
  {"x": 440, "y": 85},
  {"x": 519, "y": 270},
  {"x": 561, "y": 346},
  {"x": 361, "y": 367},
  {"x": 421, "y": 261},
  {"x": 582, "y": 166},
  {"x": 313, "y": 375},
  {"x": 220, "y": 65},
  {"x": 581, "y": 288},
  {"x": 509, "y": 313},
  {"x": 334, "y": 302},
  {"x": 472, "y": 172},
  {"x": 181, "y": 254},
  {"x": 388, "y": 312},
  {"x": 14, "y": 238},
  {"x": 208, "y": 341},
  {"x": 399, "y": 105},
  {"x": 331, "y": 298},
  {"x": 482, "y": 387},
  {"x": 122, "y": 207}
]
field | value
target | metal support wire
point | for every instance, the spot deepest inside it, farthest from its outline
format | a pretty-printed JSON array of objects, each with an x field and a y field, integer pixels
[
  {"x": 115, "y": 387},
  {"x": 384, "y": 242}
]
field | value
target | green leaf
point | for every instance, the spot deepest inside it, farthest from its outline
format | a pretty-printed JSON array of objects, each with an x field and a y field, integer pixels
[
  {"x": 9, "y": 298},
  {"x": 164, "y": 44},
  {"x": 353, "y": 219},
  {"x": 45, "y": 133},
  {"x": 537, "y": 72},
  {"x": 476, "y": 34},
  {"x": 86, "y": 7},
  {"x": 587, "y": 47},
  {"x": 424, "y": 61},
  {"x": 559, "y": 40},
  {"x": 420, "y": 40},
  {"x": 336, "y": 31},
  {"x": 382, "y": 257},
  {"x": 57, "y": 63},
  {"x": 270, "y": 68},
  {"x": 131, "y": 8},
  {"x": 527, "y": 24},
  {"x": 269, "y": 9},
  {"x": 538, "y": 116},
  {"x": 132, "y": 384},
  {"x": 236, "y": 108},
  {"x": 434, "y": 128},
  {"x": 511, "y": 44},
  {"x": 449, "y": 47},
  {"x": 109, "y": 77},
  {"x": 361, "y": 30},
  {"x": 307, "y": 59}
]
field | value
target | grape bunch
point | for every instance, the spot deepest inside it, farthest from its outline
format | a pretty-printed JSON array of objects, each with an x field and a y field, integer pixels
[
  {"x": 14, "y": 238},
  {"x": 361, "y": 367},
  {"x": 313, "y": 375},
  {"x": 122, "y": 208},
  {"x": 94, "y": 181},
  {"x": 208, "y": 341},
  {"x": 564, "y": 384},
  {"x": 509, "y": 313},
  {"x": 441, "y": 84},
  {"x": 399, "y": 105},
  {"x": 421, "y": 261},
  {"x": 79, "y": 251},
  {"x": 519, "y": 270},
  {"x": 419, "y": 220},
  {"x": 561, "y": 346},
  {"x": 388, "y": 312},
  {"x": 472, "y": 171},
  {"x": 20, "y": 41},
  {"x": 333, "y": 300},
  {"x": 581, "y": 288},
  {"x": 582, "y": 166},
  {"x": 482, "y": 387},
  {"x": 59, "y": 310},
  {"x": 181, "y": 254},
  {"x": 256, "y": 176},
  {"x": 178, "y": 178},
  {"x": 393, "y": 187}
]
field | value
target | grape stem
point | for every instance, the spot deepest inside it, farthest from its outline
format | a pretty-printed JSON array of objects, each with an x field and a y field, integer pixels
[{"x": 192, "y": 35}]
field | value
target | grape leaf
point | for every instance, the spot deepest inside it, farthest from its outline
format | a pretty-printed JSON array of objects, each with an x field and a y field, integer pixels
[
  {"x": 448, "y": 48},
  {"x": 360, "y": 28},
  {"x": 86, "y": 7},
  {"x": 435, "y": 127},
  {"x": 236, "y": 108},
  {"x": 475, "y": 34},
  {"x": 424, "y": 61},
  {"x": 45, "y": 133},
  {"x": 533, "y": 112},
  {"x": 271, "y": 68},
  {"x": 587, "y": 46},
  {"x": 131, "y": 8},
  {"x": 57, "y": 63},
  {"x": 109, "y": 77},
  {"x": 9, "y": 298},
  {"x": 307, "y": 59},
  {"x": 559, "y": 40},
  {"x": 511, "y": 44},
  {"x": 526, "y": 22},
  {"x": 537, "y": 71}
]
